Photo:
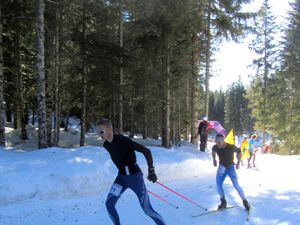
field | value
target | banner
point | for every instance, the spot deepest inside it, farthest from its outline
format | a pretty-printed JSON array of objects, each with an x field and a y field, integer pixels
[{"x": 217, "y": 126}]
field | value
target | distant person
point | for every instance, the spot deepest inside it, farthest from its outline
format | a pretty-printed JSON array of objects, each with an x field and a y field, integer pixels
[
  {"x": 203, "y": 133},
  {"x": 252, "y": 150},
  {"x": 226, "y": 167},
  {"x": 122, "y": 152},
  {"x": 266, "y": 148},
  {"x": 244, "y": 149}
]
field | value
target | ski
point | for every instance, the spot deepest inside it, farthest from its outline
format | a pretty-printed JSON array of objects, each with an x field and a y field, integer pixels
[{"x": 212, "y": 211}]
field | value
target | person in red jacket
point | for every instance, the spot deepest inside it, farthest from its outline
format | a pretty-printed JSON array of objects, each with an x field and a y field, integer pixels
[{"x": 203, "y": 133}]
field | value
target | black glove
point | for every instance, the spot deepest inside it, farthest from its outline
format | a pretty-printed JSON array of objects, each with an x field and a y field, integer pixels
[
  {"x": 215, "y": 162},
  {"x": 151, "y": 175}
]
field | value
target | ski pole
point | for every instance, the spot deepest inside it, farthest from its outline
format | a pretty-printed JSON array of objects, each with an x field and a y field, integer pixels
[
  {"x": 164, "y": 200},
  {"x": 185, "y": 198}
]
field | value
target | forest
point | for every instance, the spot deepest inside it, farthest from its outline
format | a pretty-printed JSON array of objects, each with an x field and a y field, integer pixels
[{"x": 146, "y": 65}]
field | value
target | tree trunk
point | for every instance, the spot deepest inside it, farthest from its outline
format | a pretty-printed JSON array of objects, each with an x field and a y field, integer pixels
[
  {"x": 132, "y": 118},
  {"x": 19, "y": 83},
  {"x": 193, "y": 118},
  {"x": 16, "y": 111},
  {"x": 121, "y": 81},
  {"x": 66, "y": 128},
  {"x": 49, "y": 84},
  {"x": 178, "y": 133},
  {"x": 173, "y": 120},
  {"x": 58, "y": 72},
  {"x": 84, "y": 79},
  {"x": 40, "y": 65},
  {"x": 207, "y": 59},
  {"x": 166, "y": 100},
  {"x": 264, "y": 91},
  {"x": 50, "y": 60},
  {"x": 195, "y": 71},
  {"x": 33, "y": 116},
  {"x": 145, "y": 130},
  {"x": 155, "y": 127},
  {"x": 187, "y": 107},
  {"x": 290, "y": 131},
  {"x": 2, "y": 103}
]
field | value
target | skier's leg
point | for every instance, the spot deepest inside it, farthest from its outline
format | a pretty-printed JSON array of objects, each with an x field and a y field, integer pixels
[
  {"x": 202, "y": 143},
  {"x": 205, "y": 142},
  {"x": 242, "y": 157},
  {"x": 249, "y": 159},
  {"x": 234, "y": 179},
  {"x": 220, "y": 177},
  {"x": 116, "y": 191},
  {"x": 138, "y": 186}
]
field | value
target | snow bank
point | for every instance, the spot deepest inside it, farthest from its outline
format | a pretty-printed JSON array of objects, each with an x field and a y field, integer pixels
[{"x": 86, "y": 171}]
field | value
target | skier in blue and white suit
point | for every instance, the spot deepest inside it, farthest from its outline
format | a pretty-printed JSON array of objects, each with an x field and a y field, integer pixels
[
  {"x": 226, "y": 167},
  {"x": 122, "y": 152}
]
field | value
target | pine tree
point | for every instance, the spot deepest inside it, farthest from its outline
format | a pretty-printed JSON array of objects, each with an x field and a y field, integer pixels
[
  {"x": 217, "y": 106},
  {"x": 265, "y": 47},
  {"x": 223, "y": 19},
  {"x": 290, "y": 78},
  {"x": 237, "y": 114}
]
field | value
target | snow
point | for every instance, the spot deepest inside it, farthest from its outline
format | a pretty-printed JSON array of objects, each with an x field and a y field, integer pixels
[{"x": 68, "y": 186}]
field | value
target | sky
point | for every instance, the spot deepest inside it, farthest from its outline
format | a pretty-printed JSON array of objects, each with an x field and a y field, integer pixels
[{"x": 234, "y": 59}]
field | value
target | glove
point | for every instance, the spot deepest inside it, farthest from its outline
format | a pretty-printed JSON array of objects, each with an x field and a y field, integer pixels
[
  {"x": 151, "y": 175},
  {"x": 215, "y": 162},
  {"x": 237, "y": 166}
]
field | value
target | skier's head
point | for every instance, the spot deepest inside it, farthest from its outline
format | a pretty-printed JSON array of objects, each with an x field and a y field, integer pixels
[
  {"x": 220, "y": 140},
  {"x": 104, "y": 129},
  {"x": 204, "y": 118},
  {"x": 254, "y": 136}
]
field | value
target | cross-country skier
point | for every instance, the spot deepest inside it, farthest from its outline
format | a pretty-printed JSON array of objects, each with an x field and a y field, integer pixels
[
  {"x": 226, "y": 167},
  {"x": 122, "y": 152}
]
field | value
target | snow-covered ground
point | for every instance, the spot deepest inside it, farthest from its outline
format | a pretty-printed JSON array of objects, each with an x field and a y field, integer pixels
[{"x": 68, "y": 186}]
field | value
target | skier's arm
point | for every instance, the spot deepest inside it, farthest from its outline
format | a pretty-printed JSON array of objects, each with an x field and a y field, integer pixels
[
  {"x": 145, "y": 151},
  {"x": 148, "y": 156},
  {"x": 213, "y": 154}
]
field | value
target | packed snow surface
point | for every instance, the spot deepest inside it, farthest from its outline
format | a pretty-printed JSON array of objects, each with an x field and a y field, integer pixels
[{"x": 68, "y": 186}]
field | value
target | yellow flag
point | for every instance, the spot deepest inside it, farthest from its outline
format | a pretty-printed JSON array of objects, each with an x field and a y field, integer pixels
[{"x": 230, "y": 137}]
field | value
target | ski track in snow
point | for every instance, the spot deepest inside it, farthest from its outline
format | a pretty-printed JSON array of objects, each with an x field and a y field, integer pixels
[{"x": 69, "y": 187}]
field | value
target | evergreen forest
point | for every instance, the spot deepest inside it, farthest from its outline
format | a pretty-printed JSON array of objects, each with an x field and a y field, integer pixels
[{"x": 146, "y": 65}]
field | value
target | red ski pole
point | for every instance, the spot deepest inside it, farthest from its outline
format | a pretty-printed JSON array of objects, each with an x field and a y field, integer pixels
[
  {"x": 164, "y": 200},
  {"x": 185, "y": 198}
]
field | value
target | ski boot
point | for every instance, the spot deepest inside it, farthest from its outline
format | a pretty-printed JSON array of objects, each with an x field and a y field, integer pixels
[
  {"x": 223, "y": 204},
  {"x": 246, "y": 204}
]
